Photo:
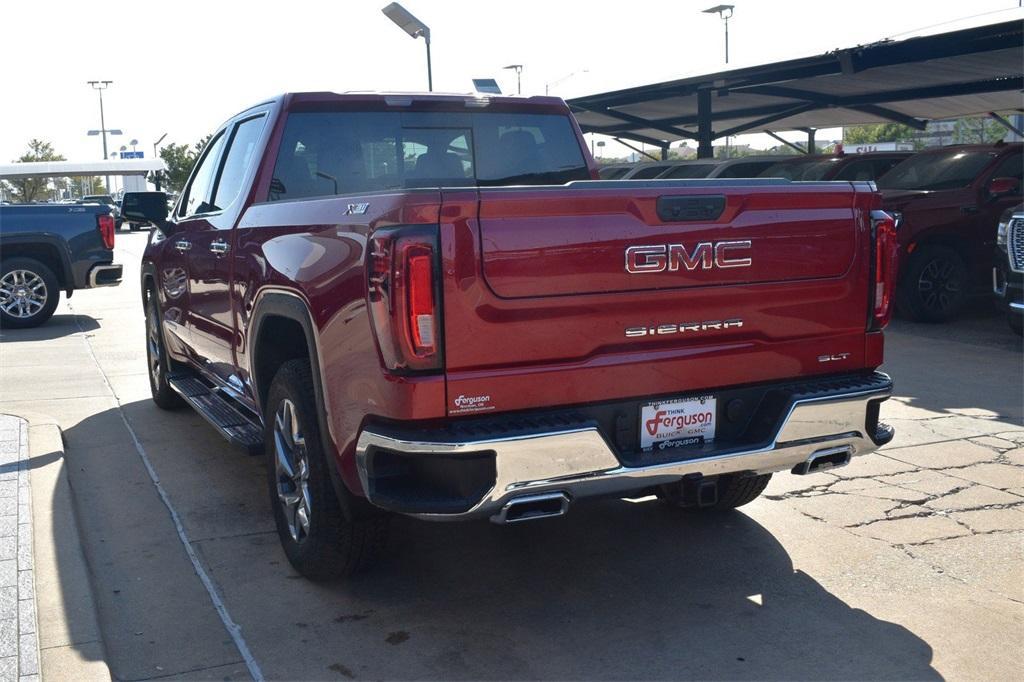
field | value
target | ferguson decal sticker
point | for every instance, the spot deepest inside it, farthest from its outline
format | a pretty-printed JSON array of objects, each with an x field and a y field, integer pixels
[{"x": 472, "y": 403}]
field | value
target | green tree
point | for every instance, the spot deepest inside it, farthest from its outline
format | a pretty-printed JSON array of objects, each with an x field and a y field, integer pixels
[
  {"x": 880, "y": 132},
  {"x": 180, "y": 159},
  {"x": 24, "y": 190},
  {"x": 978, "y": 130}
]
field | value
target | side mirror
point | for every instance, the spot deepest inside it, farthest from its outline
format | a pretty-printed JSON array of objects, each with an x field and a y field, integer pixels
[
  {"x": 144, "y": 207},
  {"x": 1001, "y": 187}
]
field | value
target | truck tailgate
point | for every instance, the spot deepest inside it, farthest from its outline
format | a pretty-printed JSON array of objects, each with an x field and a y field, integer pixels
[
  {"x": 545, "y": 305},
  {"x": 539, "y": 244}
]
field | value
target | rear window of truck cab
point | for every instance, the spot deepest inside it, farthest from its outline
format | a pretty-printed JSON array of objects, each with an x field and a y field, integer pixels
[{"x": 339, "y": 153}]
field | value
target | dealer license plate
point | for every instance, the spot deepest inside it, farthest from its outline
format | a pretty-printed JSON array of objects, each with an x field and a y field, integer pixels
[{"x": 676, "y": 423}]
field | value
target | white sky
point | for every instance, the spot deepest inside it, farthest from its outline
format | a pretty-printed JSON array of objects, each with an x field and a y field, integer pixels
[{"x": 182, "y": 67}]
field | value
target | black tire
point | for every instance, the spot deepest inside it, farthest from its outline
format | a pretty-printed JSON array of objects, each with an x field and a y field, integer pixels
[
  {"x": 29, "y": 293},
  {"x": 1016, "y": 322},
  {"x": 134, "y": 227},
  {"x": 734, "y": 490},
  {"x": 321, "y": 540},
  {"x": 158, "y": 363},
  {"x": 934, "y": 286}
]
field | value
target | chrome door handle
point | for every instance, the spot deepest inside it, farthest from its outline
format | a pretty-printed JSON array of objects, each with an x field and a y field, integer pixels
[
  {"x": 183, "y": 245},
  {"x": 219, "y": 247}
]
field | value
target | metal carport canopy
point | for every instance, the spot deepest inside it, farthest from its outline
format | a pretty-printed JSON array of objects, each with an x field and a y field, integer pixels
[{"x": 960, "y": 73}]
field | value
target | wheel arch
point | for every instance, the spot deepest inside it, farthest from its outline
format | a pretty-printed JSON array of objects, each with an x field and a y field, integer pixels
[
  {"x": 282, "y": 315},
  {"x": 950, "y": 240},
  {"x": 47, "y": 251}
]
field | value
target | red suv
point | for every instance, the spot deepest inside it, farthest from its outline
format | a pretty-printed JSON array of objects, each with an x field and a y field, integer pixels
[{"x": 947, "y": 203}]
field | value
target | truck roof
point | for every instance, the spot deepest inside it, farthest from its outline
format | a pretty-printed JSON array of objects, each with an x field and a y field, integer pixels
[{"x": 470, "y": 101}]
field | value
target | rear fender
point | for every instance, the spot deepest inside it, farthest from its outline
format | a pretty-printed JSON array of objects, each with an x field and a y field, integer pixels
[{"x": 291, "y": 306}]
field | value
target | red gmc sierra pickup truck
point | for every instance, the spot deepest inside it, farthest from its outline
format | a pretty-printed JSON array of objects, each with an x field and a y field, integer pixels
[{"x": 428, "y": 305}]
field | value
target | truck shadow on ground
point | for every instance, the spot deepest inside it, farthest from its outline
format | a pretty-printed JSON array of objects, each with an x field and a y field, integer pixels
[
  {"x": 615, "y": 590},
  {"x": 621, "y": 590},
  {"x": 56, "y": 327}
]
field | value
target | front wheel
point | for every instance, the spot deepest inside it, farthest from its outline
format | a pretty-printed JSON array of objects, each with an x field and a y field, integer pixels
[
  {"x": 157, "y": 360},
  {"x": 1016, "y": 321},
  {"x": 28, "y": 293},
  {"x": 318, "y": 538},
  {"x": 934, "y": 287}
]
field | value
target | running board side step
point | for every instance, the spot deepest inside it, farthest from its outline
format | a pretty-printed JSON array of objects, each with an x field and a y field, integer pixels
[{"x": 229, "y": 421}]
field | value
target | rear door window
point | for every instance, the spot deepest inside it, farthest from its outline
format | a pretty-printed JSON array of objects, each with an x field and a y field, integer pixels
[{"x": 338, "y": 153}]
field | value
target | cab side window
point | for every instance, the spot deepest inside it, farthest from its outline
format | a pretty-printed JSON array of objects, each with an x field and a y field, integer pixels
[{"x": 197, "y": 195}]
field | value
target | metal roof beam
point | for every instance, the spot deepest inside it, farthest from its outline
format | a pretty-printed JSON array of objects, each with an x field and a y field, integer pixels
[
  {"x": 892, "y": 115},
  {"x": 1006, "y": 124},
  {"x": 637, "y": 150},
  {"x": 637, "y": 137},
  {"x": 786, "y": 113},
  {"x": 641, "y": 122},
  {"x": 786, "y": 142}
]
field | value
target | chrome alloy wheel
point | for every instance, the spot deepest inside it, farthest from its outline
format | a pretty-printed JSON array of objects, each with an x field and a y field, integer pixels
[
  {"x": 22, "y": 293},
  {"x": 938, "y": 285},
  {"x": 153, "y": 347},
  {"x": 291, "y": 465}
]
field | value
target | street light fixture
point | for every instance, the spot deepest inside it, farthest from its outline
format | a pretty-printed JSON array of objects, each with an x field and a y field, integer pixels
[
  {"x": 415, "y": 28},
  {"x": 724, "y": 11},
  {"x": 547, "y": 86},
  {"x": 519, "y": 76}
]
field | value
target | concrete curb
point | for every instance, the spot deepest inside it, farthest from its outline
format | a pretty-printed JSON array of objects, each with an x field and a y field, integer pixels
[{"x": 70, "y": 640}]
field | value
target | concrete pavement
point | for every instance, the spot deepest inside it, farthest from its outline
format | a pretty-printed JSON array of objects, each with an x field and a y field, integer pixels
[
  {"x": 19, "y": 644},
  {"x": 907, "y": 564}
]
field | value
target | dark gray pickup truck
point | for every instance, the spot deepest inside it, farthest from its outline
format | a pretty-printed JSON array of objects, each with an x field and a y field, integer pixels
[{"x": 48, "y": 248}]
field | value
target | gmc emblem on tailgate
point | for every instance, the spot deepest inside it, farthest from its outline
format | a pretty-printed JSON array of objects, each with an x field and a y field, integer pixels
[{"x": 705, "y": 256}]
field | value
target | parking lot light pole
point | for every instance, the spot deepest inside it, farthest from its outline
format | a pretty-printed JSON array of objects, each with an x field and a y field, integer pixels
[
  {"x": 100, "y": 86},
  {"x": 724, "y": 11},
  {"x": 415, "y": 28},
  {"x": 156, "y": 174}
]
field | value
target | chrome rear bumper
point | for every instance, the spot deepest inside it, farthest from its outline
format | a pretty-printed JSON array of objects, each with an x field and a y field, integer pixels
[{"x": 580, "y": 463}]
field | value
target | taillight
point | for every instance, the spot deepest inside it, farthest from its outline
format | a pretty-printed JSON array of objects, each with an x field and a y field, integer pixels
[
  {"x": 105, "y": 223},
  {"x": 886, "y": 254},
  {"x": 402, "y": 293}
]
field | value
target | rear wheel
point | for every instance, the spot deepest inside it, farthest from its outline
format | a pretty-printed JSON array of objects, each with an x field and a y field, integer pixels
[
  {"x": 733, "y": 490},
  {"x": 28, "y": 293},
  {"x": 934, "y": 287},
  {"x": 320, "y": 540}
]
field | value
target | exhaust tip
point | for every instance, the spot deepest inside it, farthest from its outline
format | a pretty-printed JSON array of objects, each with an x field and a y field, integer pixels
[
  {"x": 532, "y": 507},
  {"x": 824, "y": 459}
]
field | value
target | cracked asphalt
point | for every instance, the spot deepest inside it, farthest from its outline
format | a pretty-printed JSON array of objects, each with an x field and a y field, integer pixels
[{"x": 907, "y": 564}]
